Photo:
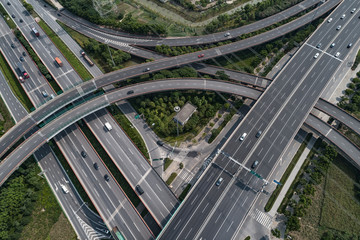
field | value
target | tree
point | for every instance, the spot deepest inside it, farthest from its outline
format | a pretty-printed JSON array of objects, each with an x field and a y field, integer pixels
[{"x": 293, "y": 224}]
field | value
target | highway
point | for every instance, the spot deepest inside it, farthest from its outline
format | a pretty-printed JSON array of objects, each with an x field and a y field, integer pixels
[
  {"x": 44, "y": 13},
  {"x": 65, "y": 76},
  {"x": 75, "y": 23},
  {"x": 36, "y": 84},
  {"x": 157, "y": 197},
  {"x": 126, "y": 38},
  {"x": 79, "y": 215},
  {"x": 338, "y": 113},
  {"x": 245, "y": 78},
  {"x": 279, "y": 113},
  {"x": 13, "y": 104},
  {"x": 87, "y": 87},
  {"x": 334, "y": 136},
  {"x": 20, "y": 154},
  {"x": 110, "y": 201}
]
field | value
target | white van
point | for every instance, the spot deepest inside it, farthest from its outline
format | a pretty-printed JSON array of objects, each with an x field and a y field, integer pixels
[
  {"x": 64, "y": 188},
  {"x": 108, "y": 126}
]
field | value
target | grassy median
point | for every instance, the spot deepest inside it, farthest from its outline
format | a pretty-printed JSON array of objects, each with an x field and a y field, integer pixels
[{"x": 69, "y": 55}]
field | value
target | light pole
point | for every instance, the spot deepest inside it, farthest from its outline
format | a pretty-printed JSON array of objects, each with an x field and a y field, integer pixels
[{"x": 176, "y": 109}]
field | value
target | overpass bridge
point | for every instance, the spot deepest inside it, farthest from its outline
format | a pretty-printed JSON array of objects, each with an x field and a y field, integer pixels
[{"x": 334, "y": 136}]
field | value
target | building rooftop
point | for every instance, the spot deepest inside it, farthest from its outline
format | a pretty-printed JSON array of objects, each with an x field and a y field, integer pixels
[{"x": 185, "y": 113}]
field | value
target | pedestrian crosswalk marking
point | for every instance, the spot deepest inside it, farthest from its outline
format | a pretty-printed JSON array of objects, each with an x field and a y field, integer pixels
[{"x": 262, "y": 218}]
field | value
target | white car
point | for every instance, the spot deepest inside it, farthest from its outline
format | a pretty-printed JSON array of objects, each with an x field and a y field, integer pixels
[
  {"x": 338, "y": 27},
  {"x": 329, "y": 20},
  {"x": 342, "y": 16},
  {"x": 332, "y": 45},
  {"x": 337, "y": 54},
  {"x": 64, "y": 188},
  {"x": 243, "y": 136},
  {"x": 316, "y": 55},
  {"x": 353, "y": 10}
]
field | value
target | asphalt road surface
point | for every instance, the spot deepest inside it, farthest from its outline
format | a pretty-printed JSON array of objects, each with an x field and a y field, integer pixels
[
  {"x": 107, "y": 196},
  {"x": 157, "y": 197},
  {"x": 346, "y": 146},
  {"x": 65, "y": 76},
  {"x": 278, "y": 113},
  {"x": 121, "y": 38},
  {"x": 338, "y": 113},
  {"x": 73, "y": 94}
]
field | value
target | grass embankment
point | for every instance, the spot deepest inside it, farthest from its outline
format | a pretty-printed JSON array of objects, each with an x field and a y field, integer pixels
[
  {"x": 167, "y": 163},
  {"x": 171, "y": 178},
  {"x": 68, "y": 54},
  {"x": 71, "y": 175},
  {"x": 335, "y": 207},
  {"x": 110, "y": 164},
  {"x": 287, "y": 173},
  {"x": 128, "y": 128},
  {"x": 28, "y": 208},
  {"x": 8, "y": 121},
  {"x": 15, "y": 84}
]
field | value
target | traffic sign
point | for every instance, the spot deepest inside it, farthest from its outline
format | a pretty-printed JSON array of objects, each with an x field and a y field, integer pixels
[{"x": 278, "y": 183}]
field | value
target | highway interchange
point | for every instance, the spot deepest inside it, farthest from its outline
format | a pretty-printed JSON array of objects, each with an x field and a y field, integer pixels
[{"x": 308, "y": 51}]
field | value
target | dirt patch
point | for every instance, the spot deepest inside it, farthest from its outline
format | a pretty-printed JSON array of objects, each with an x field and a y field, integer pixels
[{"x": 62, "y": 229}]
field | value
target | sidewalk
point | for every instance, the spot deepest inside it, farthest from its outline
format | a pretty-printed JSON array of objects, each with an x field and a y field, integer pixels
[{"x": 291, "y": 178}]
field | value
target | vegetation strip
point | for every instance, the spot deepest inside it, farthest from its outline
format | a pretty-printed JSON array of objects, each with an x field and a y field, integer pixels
[
  {"x": 171, "y": 178},
  {"x": 128, "y": 128},
  {"x": 68, "y": 54},
  {"x": 15, "y": 84},
  {"x": 26, "y": 200},
  {"x": 287, "y": 173}
]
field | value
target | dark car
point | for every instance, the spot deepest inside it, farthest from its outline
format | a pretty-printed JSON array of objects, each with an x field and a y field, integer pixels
[
  {"x": 96, "y": 166},
  {"x": 22, "y": 59},
  {"x": 160, "y": 143},
  {"x": 24, "y": 54},
  {"x": 219, "y": 181},
  {"x": 13, "y": 45},
  {"x": 8, "y": 3},
  {"x": 83, "y": 154},
  {"x": 130, "y": 92},
  {"x": 13, "y": 15},
  {"x": 258, "y": 134},
  {"x": 139, "y": 189},
  {"x": 106, "y": 177},
  {"x": 21, "y": 20}
]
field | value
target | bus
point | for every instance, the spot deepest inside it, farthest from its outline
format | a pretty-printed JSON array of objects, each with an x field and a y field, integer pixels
[{"x": 117, "y": 235}]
